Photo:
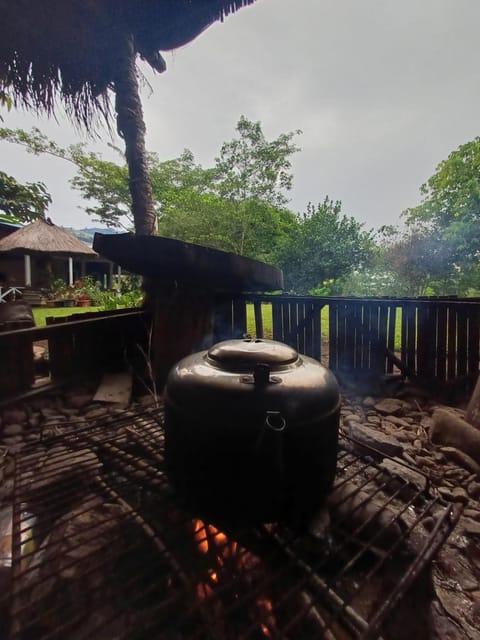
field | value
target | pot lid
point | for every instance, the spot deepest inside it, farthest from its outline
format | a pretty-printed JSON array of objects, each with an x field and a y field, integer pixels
[{"x": 243, "y": 355}]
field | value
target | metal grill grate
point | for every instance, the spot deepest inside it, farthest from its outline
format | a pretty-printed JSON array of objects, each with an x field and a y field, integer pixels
[{"x": 102, "y": 549}]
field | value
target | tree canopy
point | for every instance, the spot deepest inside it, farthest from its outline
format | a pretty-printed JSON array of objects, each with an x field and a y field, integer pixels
[
  {"x": 451, "y": 204},
  {"x": 325, "y": 246},
  {"x": 22, "y": 202}
]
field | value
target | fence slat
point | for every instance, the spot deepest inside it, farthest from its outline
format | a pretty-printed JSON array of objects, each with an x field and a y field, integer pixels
[
  {"x": 441, "y": 369},
  {"x": 239, "y": 318},
  {"x": 309, "y": 347},
  {"x": 286, "y": 323},
  {"x": 317, "y": 331},
  {"x": 473, "y": 344},
  {"x": 452, "y": 343},
  {"x": 277, "y": 327},
  {"x": 333, "y": 337},
  {"x": 301, "y": 327},
  {"x": 462, "y": 342},
  {"x": 257, "y": 308}
]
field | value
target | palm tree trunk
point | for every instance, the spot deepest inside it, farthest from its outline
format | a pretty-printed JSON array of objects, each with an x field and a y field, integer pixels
[{"x": 131, "y": 127}]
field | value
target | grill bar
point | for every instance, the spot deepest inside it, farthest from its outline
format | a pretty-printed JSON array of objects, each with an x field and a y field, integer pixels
[{"x": 109, "y": 532}]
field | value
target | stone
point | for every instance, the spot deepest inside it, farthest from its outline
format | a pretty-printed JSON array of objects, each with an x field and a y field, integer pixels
[
  {"x": 6, "y": 489},
  {"x": 14, "y": 416},
  {"x": 408, "y": 458},
  {"x": 78, "y": 400},
  {"x": 426, "y": 422},
  {"x": 450, "y": 430},
  {"x": 10, "y": 441},
  {"x": 469, "y": 527},
  {"x": 396, "y": 468},
  {"x": 384, "y": 444},
  {"x": 429, "y": 523},
  {"x": 48, "y": 412},
  {"x": 12, "y": 430},
  {"x": 461, "y": 458},
  {"x": 368, "y": 401},
  {"x": 98, "y": 412},
  {"x": 456, "y": 494},
  {"x": 352, "y": 417},
  {"x": 399, "y": 422},
  {"x": 390, "y": 406},
  {"x": 473, "y": 489},
  {"x": 473, "y": 514}
]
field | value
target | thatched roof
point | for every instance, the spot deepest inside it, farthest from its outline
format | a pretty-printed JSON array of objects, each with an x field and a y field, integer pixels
[
  {"x": 69, "y": 47},
  {"x": 45, "y": 237}
]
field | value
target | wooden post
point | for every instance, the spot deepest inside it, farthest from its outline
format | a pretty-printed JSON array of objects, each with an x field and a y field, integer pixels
[
  {"x": 28, "y": 271},
  {"x": 70, "y": 271}
]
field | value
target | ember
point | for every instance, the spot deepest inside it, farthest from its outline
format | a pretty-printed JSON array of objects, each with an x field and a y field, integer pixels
[{"x": 115, "y": 554}]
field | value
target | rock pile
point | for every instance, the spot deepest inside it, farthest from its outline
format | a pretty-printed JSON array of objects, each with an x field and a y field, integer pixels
[{"x": 402, "y": 428}]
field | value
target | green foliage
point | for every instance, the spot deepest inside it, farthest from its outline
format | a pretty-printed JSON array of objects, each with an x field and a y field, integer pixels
[
  {"x": 251, "y": 168},
  {"x": 325, "y": 245},
  {"x": 235, "y": 206},
  {"x": 22, "y": 202},
  {"x": 451, "y": 205}
]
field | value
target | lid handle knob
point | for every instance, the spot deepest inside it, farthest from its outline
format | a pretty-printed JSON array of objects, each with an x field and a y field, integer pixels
[{"x": 261, "y": 375}]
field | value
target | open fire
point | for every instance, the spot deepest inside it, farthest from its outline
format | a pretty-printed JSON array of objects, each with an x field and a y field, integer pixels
[{"x": 225, "y": 559}]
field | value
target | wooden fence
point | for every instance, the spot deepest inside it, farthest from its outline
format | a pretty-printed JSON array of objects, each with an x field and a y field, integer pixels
[
  {"x": 77, "y": 346},
  {"x": 435, "y": 340}
]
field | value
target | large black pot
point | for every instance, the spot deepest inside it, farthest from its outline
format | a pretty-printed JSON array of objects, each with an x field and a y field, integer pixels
[{"x": 251, "y": 431}]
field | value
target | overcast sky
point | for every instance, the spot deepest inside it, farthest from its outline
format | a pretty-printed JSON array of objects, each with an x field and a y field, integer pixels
[{"x": 382, "y": 90}]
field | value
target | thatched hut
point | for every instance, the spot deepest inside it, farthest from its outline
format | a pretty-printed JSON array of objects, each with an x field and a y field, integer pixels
[
  {"x": 41, "y": 250},
  {"x": 80, "y": 50}
]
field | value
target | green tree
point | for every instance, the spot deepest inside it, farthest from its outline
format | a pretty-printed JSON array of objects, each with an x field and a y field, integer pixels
[
  {"x": 451, "y": 204},
  {"x": 250, "y": 167},
  {"x": 253, "y": 174},
  {"x": 325, "y": 246},
  {"x": 22, "y": 202},
  {"x": 209, "y": 206}
]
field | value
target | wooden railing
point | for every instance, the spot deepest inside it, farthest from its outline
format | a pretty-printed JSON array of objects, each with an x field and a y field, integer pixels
[
  {"x": 77, "y": 346},
  {"x": 432, "y": 339}
]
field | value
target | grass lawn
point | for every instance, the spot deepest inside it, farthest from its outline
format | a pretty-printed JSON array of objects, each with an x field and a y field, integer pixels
[{"x": 41, "y": 313}]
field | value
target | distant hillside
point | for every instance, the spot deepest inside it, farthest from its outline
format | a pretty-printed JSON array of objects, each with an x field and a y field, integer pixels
[{"x": 86, "y": 235}]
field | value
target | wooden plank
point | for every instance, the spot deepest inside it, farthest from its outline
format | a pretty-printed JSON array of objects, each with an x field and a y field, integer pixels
[
  {"x": 115, "y": 388},
  {"x": 377, "y": 357},
  {"x": 333, "y": 335},
  {"x": 392, "y": 325},
  {"x": 422, "y": 342},
  {"x": 286, "y": 337},
  {"x": 309, "y": 313},
  {"x": 363, "y": 348},
  {"x": 301, "y": 327},
  {"x": 222, "y": 318},
  {"x": 452, "y": 342},
  {"x": 317, "y": 331},
  {"x": 345, "y": 344},
  {"x": 277, "y": 321},
  {"x": 462, "y": 341},
  {"x": 257, "y": 310},
  {"x": 239, "y": 317},
  {"x": 412, "y": 337},
  {"x": 441, "y": 363},
  {"x": 473, "y": 344}
]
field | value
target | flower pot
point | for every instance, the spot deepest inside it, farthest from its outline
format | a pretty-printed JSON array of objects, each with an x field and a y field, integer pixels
[{"x": 83, "y": 302}]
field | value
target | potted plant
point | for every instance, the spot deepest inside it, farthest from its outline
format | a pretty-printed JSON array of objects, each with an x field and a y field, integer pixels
[{"x": 83, "y": 300}]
